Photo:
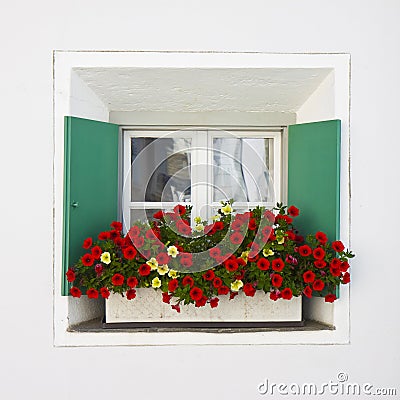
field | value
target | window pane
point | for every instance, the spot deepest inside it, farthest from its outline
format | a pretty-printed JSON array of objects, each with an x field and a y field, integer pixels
[
  {"x": 160, "y": 169},
  {"x": 243, "y": 169},
  {"x": 142, "y": 215}
]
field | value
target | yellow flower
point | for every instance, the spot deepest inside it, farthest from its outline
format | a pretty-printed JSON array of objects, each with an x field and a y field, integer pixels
[
  {"x": 199, "y": 228},
  {"x": 153, "y": 263},
  {"x": 156, "y": 283},
  {"x": 268, "y": 252},
  {"x": 216, "y": 217},
  {"x": 172, "y": 273},
  {"x": 235, "y": 286},
  {"x": 197, "y": 220},
  {"x": 281, "y": 240},
  {"x": 245, "y": 255},
  {"x": 172, "y": 251},
  {"x": 105, "y": 257},
  {"x": 227, "y": 209},
  {"x": 162, "y": 269}
]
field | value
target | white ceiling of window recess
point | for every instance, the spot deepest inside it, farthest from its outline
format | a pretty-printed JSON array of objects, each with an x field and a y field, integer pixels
[{"x": 199, "y": 90}]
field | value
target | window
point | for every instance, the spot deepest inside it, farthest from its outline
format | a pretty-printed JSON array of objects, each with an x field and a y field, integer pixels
[{"x": 200, "y": 168}]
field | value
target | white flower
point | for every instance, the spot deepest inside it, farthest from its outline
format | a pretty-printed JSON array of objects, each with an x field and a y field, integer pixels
[
  {"x": 245, "y": 255},
  {"x": 199, "y": 228},
  {"x": 227, "y": 209},
  {"x": 268, "y": 252},
  {"x": 281, "y": 240},
  {"x": 156, "y": 283},
  {"x": 172, "y": 273},
  {"x": 197, "y": 220},
  {"x": 172, "y": 251},
  {"x": 162, "y": 269},
  {"x": 236, "y": 285},
  {"x": 153, "y": 263},
  {"x": 105, "y": 257}
]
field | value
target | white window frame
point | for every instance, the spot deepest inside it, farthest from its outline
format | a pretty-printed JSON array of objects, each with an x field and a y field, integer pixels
[{"x": 201, "y": 139}]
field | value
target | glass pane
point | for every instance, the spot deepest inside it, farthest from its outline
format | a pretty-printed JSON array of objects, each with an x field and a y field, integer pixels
[
  {"x": 160, "y": 169},
  {"x": 142, "y": 215},
  {"x": 243, "y": 169}
]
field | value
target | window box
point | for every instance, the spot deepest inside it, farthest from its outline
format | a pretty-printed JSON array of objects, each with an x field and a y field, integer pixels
[{"x": 241, "y": 309}]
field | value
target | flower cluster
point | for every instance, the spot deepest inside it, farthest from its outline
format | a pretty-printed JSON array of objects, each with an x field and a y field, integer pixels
[{"x": 255, "y": 250}]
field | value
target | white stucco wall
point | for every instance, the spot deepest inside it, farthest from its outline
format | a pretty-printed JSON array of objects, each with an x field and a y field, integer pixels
[{"x": 30, "y": 366}]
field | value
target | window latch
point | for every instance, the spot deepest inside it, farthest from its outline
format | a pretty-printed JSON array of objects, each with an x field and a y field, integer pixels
[{"x": 74, "y": 204}]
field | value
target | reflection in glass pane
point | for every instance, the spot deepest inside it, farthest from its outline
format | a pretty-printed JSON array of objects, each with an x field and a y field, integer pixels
[
  {"x": 160, "y": 169},
  {"x": 142, "y": 215},
  {"x": 243, "y": 169}
]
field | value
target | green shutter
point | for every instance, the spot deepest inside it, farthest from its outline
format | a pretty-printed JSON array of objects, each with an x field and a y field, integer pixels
[
  {"x": 90, "y": 185},
  {"x": 314, "y": 176}
]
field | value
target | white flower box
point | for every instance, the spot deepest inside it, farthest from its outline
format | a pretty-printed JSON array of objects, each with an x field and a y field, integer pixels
[{"x": 148, "y": 307}]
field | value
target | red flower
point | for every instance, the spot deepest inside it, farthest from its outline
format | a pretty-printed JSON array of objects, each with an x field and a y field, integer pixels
[
  {"x": 308, "y": 276},
  {"x": 274, "y": 296},
  {"x": 158, "y": 215},
  {"x": 291, "y": 235},
  {"x": 104, "y": 235},
  {"x": 119, "y": 241},
  {"x": 287, "y": 294},
  {"x": 321, "y": 237},
  {"x": 236, "y": 225},
  {"x": 335, "y": 263},
  {"x": 330, "y": 298},
  {"x": 144, "y": 270},
  {"x": 232, "y": 295},
  {"x": 335, "y": 271},
  {"x": 138, "y": 241},
  {"x": 307, "y": 292},
  {"x": 99, "y": 269},
  {"x": 173, "y": 285},
  {"x": 209, "y": 275},
  {"x": 187, "y": 281},
  {"x": 236, "y": 238},
  {"x": 130, "y": 252},
  {"x": 305, "y": 250},
  {"x": 131, "y": 294},
  {"x": 117, "y": 279},
  {"x": 87, "y": 260},
  {"x": 176, "y": 307},
  {"x": 70, "y": 275},
  {"x": 269, "y": 216},
  {"x": 266, "y": 232},
  {"x": 276, "y": 280},
  {"x": 214, "y": 302},
  {"x": 92, "y": 293},
  {"x": 96, "y": 252},
  {"x": 252, "y": 224},
  {"x": 114, "y": 234},
  {"x": 346, "y": 278},
  {"x": 196, "y": 293},
  {"x": 278, "y": 264},
  {"x": 179, "y": 209},
  {"x": 150, "y": 234},
  {"x": 186, "y": 259},
  {"x": 318, "y": 285},
  {"x": 201, "y": 302},
  {"x": 344, "y": 266},
  {"x": 183, "y": 228},
  {"x": 87, "y": 243},
  {"x": 217, "y": 282},
  {"x": 223, "y": 290},
  {"x": 337, "y": 246},
  {"x": 286, "y": 218},
  {"x": 132, "y": 281},
  {"x": 219, "y": 225},
  {"x": 162, "y": 258},
  {"x": 134, "y": 232},
  {"x": 116, "y": 225},
  {"x": 166, "y": 298},
  {"x": 231, "y": 265},
  {"x": 249, "y": 290},
  {"x": 215, "y": 252},
  {"x": 320, "y": 263},
  {"x": 263, "y": 264},
  {"x": 319, "y": 253},
  {"x": 75, "y": 292},
  {"x": 105, "y": 293},
  {"x": 293, "y": 211}
]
